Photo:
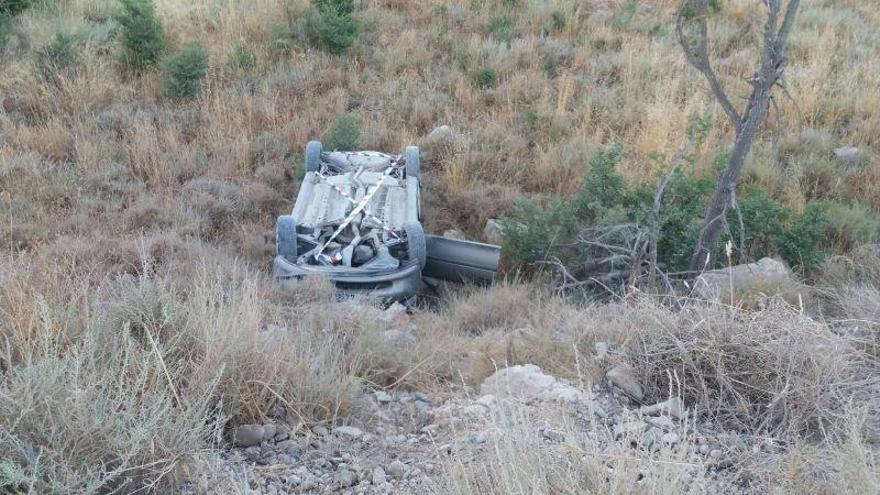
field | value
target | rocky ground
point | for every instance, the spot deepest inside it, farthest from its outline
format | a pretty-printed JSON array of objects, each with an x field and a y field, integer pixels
[{"x": 412, "y": 442}]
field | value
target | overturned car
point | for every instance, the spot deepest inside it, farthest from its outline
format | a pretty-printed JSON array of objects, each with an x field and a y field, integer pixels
[{"x": 357, "y": 221}]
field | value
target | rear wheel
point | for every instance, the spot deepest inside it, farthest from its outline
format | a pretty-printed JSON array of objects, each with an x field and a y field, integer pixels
[
  {"x": 285, "y": 237},
  {"x": 413, "y": 162},
  {"x": 417, "y": 248},
  {"x": 313, "y": 156}
]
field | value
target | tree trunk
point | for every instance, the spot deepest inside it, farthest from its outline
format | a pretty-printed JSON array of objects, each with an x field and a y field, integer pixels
[{"x": 728, "y": 178}]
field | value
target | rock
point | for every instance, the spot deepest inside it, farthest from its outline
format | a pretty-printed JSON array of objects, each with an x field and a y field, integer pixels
[
  {"x": 290, "y": 447},
  {"x": 766, "y": 276},
  {"x": 269, "y": 431},
  {"x": 247, "y": 435},
  {"x": 319, "y": 430},
  {"x": 395, "y": 439},
  {"x": 349, "y": 432},
  {"x": 397, "y": 337},
  {"x": 671, "y": 438},
  {"x": 628, "y": 428},
  {"x": 601, "y": 350},
  {"x": 379, "y": 478},
  {"x": 623, "y": 377},
  {"x": 454, "y": 234},
  {"x": 552, "y": 436},
  {"x": 438, "y": 144},
  {"x": 673, "y": 407},
  {"x": 662, "y": 422},
  {"x": 487, "y": 401},
  {"x": 382, "y": 397},
  {"x": 528, "y": 382},
  {"x": 396, "y": 469},
  {"x": 394, "y": 313},
  {"x": 492, "y": 231},
  {"x": 346, "y": 478},
  {"x": 846, "y": 152}
]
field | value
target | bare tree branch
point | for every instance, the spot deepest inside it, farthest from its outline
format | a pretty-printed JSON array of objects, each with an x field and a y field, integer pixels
[{"x": 698, "y": 55}]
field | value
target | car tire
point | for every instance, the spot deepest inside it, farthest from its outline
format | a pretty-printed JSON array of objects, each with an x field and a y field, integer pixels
[
  {"x": 313, "y": 156},
  {"x": 417, "y": 247},
  {"x": 285, "y": 237},
  {"x": 413, "y": 162}
]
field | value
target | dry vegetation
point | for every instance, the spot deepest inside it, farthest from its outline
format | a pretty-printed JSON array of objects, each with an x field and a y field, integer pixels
[{"x": 137, "y": 321}]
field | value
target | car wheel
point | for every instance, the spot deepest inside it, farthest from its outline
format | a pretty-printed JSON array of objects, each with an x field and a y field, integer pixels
[
  {"x": 417, "y": 248},
  {"x": 313, "y": 156},
  {"x": 413, "y": 162},
  {"x": 285, "y": 237}
]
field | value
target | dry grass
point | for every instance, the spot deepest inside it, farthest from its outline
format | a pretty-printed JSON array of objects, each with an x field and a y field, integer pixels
[{"x": 135, "y": 315}]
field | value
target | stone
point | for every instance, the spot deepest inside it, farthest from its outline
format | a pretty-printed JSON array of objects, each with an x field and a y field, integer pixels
[
  {"x": 487, "y": 401},
  {"x": 623, "y": 377},
  {"x": 846, "y": 152},
  {"x": 319, "y": 430},
  {"x": 440, "y": 142},
  {"x": 397, "y": 337},
  {"x": 247, "y": 435},
  {"x": 290, "y": 447},
  {"x": 528, "y": 382},
  {"x": 362, "y": 254},
  {"x": 552, "y": 436},
  {"x": 662, "y": 422},
  {"x": 671, "y": 438},
  {"x": 394, "y": 313},
  {"x": 766, "y": 276},
  {"x": 382, "y": 397},
  {"x": 396, "y": 469},
  {"x": 492, "y": 231},
  {"x": 454, "y": 234},
  {"x": 269, "y": 431},
  {"x": 673, "y": 407},
  {"x": 379, "y": 477},
  {"x": 601, "y": 350},
  {"x": 349, "y": 432},
  {"x": 346, "y": 478},
  {"x": 628, "y": 428}
]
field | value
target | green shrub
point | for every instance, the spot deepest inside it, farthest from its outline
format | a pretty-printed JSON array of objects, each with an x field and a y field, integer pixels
[
  {"x": 58, "y": 55},
  {"x": 12, "y": 8},
  {"x": 182, "y": 73},
  {"x": 485, "y": 78},
  {"x": 557, "y": 20},
  {"x": 344, "y": 133},
  {"x": 550, "y": 66},
  {"x": 501, "y": 28},
  {"x": 605, "y": 206},
  {"x": 332, "y": 24},
  {"x": 142, "y": 35},
  {"x": 803, "y": 244},
  {"x": 851, "y": 225},
  {"x": 242, "y": 59}
]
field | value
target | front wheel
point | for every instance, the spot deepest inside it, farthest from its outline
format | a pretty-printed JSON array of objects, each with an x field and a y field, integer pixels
[
  {"x": 417, "y": 247},
  {"x": 413, "y": 162},
  {"x": 313, "y": 156},
  {"x": 285, "y": 237}
]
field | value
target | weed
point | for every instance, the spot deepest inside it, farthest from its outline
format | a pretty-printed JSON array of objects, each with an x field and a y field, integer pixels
[
  {"x": 344, "y": 133},
  {"x": 184, "y": 71},
  {"x": 485, "y": 78},
  {"x": 142, "y": 35}
]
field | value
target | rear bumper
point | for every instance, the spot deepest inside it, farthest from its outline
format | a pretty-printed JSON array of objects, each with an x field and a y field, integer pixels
[{"x": 397, "y": 285}]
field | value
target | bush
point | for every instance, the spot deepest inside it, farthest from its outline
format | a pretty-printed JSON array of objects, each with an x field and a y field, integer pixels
[
  {"x": 332, "y": 25},
  {"x": 241, "y": 59},
  {"x": 344, "y": 133},
  {"x": 605, "y": 211},
  {"x": 143, "y": 38},
  {"x": 502, "y": 28},
  {"x": 12, "y": 8},
  {"x": 183, "y": 72},
  {"x": 485, "y": 78},
  {"x": 59, "y": 55}
]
